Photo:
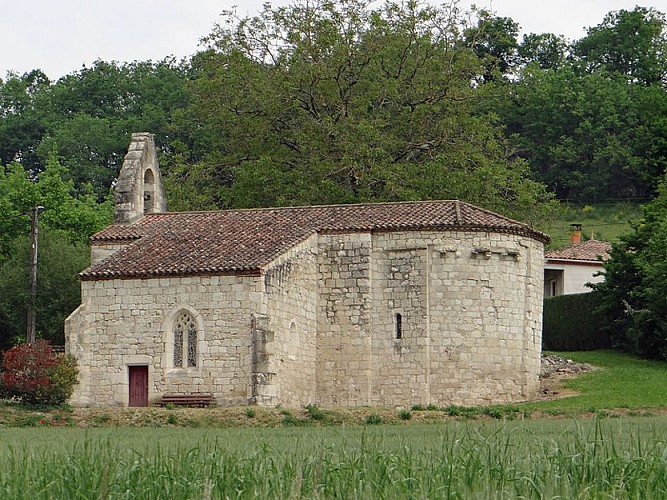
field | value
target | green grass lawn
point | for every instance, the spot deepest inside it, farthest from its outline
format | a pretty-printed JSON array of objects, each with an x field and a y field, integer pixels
[{"x": 621, "y": 381}]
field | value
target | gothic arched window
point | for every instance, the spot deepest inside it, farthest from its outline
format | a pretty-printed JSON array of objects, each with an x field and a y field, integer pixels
[{"x": 185, "y": 341}]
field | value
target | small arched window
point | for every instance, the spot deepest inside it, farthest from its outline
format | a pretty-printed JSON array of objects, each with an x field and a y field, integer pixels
[
  {"x": 399, "y": 326},
  {"x": 185, "y": 341}
]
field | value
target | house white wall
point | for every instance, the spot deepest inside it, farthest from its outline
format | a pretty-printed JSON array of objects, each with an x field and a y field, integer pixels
[{"x": 570, "y": 277}]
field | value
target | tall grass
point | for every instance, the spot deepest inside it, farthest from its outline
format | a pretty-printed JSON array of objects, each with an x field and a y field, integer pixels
[{"x": 533, "y": 459}]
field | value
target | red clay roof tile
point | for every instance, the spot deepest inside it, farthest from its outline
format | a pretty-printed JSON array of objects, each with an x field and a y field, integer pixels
[
  {"x": 585, "y": 251},
  {"x": 243, "y": 241}
]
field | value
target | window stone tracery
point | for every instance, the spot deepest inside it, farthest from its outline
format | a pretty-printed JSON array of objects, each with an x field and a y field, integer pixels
[{"x": 185, "y": 341}]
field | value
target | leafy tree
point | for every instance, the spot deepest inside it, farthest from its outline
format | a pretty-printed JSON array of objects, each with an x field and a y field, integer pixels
[
  {"x": 635, "y": 287},
  {"x": 494, "y": 42},
  {"x": 88, "y": 116},
  {"x": 103, "y": 105},
  {"x": 21, "y": 126},
  {"x": 547, "y": 50},
  {"x": 632, "y": 43},
  {"x": 58, "y": 288},
  {"x": 588, "y": 137},
  {"x": 67, "y": 221},
  {"x": 332, "y": 102}
]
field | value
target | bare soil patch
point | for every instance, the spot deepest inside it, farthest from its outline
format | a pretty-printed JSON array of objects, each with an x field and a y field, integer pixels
[{"x": 555, "y": 371}]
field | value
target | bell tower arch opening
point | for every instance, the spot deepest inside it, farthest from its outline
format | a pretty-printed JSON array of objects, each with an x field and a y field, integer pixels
[
  {"x": 139, "y": 189},
  {"x": 149, "y": 191}
]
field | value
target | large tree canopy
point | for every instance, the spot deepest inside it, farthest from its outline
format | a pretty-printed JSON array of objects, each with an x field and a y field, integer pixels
[
  {"x": 631, "y": 43},
  {"x": 88, "y": 116},
  {"x": 589, "y": 137},
  {"x": 330, "y": 102},
  {"x": 590, "y": 118}
]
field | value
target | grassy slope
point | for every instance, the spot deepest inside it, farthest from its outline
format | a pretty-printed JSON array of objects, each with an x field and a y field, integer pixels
[{"x": 604, "y": 222}]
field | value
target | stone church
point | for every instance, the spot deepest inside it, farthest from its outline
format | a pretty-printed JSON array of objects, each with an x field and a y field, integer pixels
[{"x": 370, "y": 304}]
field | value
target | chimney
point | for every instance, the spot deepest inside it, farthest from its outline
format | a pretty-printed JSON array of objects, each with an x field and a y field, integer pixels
[{"x": 575, "y": 235}]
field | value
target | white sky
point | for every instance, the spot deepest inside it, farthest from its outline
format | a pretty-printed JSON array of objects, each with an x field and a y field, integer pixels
[{"x": 59, "y": 37}]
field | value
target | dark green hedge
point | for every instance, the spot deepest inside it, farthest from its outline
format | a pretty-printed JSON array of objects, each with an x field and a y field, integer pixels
[{"x": 571, "y": 323}]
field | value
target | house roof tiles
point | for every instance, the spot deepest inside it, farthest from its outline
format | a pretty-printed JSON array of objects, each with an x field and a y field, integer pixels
[
  {"x": 590, "y": 251},
  {"x": 244, "y": 241}
]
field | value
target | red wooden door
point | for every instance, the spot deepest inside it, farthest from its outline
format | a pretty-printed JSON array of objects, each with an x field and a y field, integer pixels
[{"x": 138, "y": 386}]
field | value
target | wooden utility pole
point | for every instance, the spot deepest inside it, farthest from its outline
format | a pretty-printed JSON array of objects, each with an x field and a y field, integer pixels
[{"x": 33, "y": 276}]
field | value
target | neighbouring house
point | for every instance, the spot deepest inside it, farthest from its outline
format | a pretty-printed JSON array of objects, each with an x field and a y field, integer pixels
[
  {"x": 568, "y": 270},
  {"x": 369, "y": 304}
]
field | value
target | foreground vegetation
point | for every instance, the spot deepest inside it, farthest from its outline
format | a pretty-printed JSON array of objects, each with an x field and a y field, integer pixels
[
  {"x": 534, "y": 459},
  {"x": 620, "y": 385},
  {"x": 505, "y": 451}
]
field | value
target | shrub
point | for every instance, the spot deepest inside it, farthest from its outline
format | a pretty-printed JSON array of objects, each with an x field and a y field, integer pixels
[
  {"x": 290, "y": 420},
  {"x": 461, "y": 411},
  {"x": 373, "y": 419},
  {"x": 571, "y": 323},
  {"x": 404, "y": 414},
  {"x": 33, "y": 373},
  {"x": 314, "y": 412}
]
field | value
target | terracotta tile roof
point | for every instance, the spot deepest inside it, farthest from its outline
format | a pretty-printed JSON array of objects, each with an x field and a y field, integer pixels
[
  {"x": 585, "y": 251},
  {"x": 243, "y": 241}
]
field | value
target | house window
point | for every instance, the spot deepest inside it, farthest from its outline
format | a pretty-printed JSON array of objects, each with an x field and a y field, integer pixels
[
  {"x": 185, "y": 341},
  {"x": 399, "y": 326}
]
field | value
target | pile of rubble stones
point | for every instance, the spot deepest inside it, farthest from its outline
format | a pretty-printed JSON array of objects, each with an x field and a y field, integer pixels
[{"x": 556, "y": 366}]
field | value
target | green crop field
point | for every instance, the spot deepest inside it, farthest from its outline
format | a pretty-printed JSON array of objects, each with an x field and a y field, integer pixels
[{"x": 595, "y": 458}]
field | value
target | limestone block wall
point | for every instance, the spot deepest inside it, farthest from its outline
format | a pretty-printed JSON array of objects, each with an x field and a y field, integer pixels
[
  {"x": 344, "y": 319},
  {"x": 400, "y": 334},
  {"x": 290, "y": 286},
  {"x": 130, "y": 322},
  {"x": 470, "y": 318}
]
